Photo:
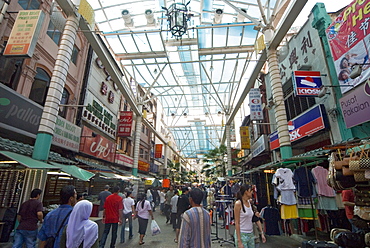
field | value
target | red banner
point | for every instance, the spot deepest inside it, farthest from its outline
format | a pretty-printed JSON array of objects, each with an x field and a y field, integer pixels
[
  {"x": 158, "y": 150},
  {"x": 97, "y": 145},
  {"x": 349, "y": 37},
  {"x": 125, "y": 124},
  {"x": 143, "y": 166}
]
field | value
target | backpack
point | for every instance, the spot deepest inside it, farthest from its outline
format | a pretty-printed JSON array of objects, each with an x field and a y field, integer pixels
[{"x": 51, "y": 240}]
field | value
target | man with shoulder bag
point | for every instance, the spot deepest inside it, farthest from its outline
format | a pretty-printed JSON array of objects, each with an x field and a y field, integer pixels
[{"x": 54, "y": 223}]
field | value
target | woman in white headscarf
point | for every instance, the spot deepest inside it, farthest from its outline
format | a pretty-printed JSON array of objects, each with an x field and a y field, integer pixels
[{"x": 82, "y": 232}]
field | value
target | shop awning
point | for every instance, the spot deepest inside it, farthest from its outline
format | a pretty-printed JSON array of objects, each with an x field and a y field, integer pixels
[
  {"x": 109, "y": 175},
  {"x": 75, "y": 171},
  {"x": 27, "y": 161}
]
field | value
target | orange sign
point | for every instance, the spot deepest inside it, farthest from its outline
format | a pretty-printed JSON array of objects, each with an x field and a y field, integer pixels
[
  {"x": 25, "y": 32},
  {"x": 143, "y": 166},
  {"x": 158, "y": 150}
]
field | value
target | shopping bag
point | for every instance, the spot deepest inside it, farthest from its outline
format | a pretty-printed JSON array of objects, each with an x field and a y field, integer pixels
[{"x": 155, "y": 228}]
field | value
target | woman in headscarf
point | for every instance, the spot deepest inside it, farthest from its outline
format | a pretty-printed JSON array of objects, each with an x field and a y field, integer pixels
[
  {"x": 243, "y": 213},
  {"x": 143, "y": 212},
  {"x": 82, "y": 232}
]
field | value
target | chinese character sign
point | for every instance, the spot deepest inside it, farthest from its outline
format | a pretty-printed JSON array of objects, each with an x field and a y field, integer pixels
[
  {"x": 349, "y": 42},
  {"x": 125, "y": 124},
  {"x": 244, "y": 137},
  {"x": 255, "y": 104},
  {"x": 158, "y": 150},
  {"x": 25, "y": 32}
]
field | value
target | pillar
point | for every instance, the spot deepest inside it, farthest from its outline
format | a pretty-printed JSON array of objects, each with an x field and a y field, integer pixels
[
  {"x": 279, "y": 105},
  {"x": 59, "y": 76},
  {"x": 139, "y": 122}
]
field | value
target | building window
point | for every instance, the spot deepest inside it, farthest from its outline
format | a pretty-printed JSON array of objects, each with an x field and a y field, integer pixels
[
  {"x": 29, "y": 4},
  {"x": 40, "y": 87},
  {"x": 141, "y": 153},
  {"x": 143, "y": 129},
  {"x": 64, "y": 100},
  {"x": 146, "y": 157},
  {"x": 74, "y": 55},
  {"x": 54, "y": 33},
  {"x": 10, "y": 71},
  {"x": 296, "y": 105}
]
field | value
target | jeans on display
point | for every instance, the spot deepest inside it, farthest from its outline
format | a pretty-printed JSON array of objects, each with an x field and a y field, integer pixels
[
  {"x": 106, "y": 232},
  {"x": 25, "y": 236},
  {"x": 129, "y": 217}
]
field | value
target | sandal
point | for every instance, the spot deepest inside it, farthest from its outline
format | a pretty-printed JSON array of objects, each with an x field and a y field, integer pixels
[
  {"x": 141, "y": 243},
  {"x": 175, "y": 240}
]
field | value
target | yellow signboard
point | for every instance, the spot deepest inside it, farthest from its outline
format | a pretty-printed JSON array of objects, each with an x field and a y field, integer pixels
[
  {"x": 260, "y": 44},
  {"x": 25, "y": 32},
  {"x": 87, "y": 12},
  {"x": 245, "y": 138},
  {"x": 148, "y": 182}
]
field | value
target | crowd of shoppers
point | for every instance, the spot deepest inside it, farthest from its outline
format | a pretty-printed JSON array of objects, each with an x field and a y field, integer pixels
[{"x": 69, "y": 225}]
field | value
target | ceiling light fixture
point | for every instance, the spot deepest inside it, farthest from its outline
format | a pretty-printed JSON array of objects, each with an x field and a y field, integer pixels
[
  {"x": 178, "y": 17},
  {"x": 129, "y": 22},
  {"x": 150, "y": 21},
  {"x": 218, "y": 16}
]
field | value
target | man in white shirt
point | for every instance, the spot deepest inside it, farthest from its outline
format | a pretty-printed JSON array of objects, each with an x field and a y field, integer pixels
[
  {"x": 174, "y": 209},
  {"x": 128, "y": 209}
]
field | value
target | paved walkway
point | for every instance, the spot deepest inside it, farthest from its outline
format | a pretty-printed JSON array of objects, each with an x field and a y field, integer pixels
[{"x": 166, "y": 238}]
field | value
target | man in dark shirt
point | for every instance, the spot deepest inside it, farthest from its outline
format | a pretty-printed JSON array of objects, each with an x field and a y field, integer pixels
[
  {"x": 102, "y": 196},
  {"x": 58, "y": 217},
  {"x": 112, "y": 216},
  {"x": 29, "y": 214},
  {"x": 183, "y": 204}
]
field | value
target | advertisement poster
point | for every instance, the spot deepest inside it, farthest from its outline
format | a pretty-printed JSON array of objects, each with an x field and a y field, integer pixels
[{"x": 349, "y": 41}]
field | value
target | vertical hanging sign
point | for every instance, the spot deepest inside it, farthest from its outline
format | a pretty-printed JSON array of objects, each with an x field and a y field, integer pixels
[
  {"x": 158, "y": 150},
  {"x": 25, "y": 33},
  {"x": 125, "y": 124},
  {"x": 244, "y": 137},
  {"x": 255, "y": 104}
]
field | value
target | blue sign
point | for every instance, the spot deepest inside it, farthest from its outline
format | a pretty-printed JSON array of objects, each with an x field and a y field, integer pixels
[{"x": 307, "y": 83}]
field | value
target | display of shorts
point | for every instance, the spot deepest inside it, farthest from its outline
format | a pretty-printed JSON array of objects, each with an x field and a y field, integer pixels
[{"x": 289, "y": 212}]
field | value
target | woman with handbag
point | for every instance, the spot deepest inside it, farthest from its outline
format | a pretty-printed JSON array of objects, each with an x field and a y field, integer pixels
[
  {"x": 143, "y": 212},
  {"x": 243, "y": 213}
]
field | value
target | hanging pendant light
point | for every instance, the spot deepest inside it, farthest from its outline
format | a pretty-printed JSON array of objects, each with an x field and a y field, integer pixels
[{"x": 178, "y": 18}]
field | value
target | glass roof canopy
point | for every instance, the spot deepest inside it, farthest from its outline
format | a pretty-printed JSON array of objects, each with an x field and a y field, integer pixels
[{"x": 198, "y": 78}]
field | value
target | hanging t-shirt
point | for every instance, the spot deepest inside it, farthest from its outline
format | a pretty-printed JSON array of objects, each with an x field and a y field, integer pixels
[
  {"x": 320, "y": 174},
  {"x": 304, "y": 181},
  {"x": 285, "y": 179},
  {"x": 271, "y": 218}
]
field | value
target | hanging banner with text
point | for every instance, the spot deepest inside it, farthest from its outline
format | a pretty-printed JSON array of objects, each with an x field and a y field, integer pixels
[
  {"x": 349, "y": 43},
  {"x": 158, "y": 150},
  {"x": 255, "y": 104},
  {"x": 25, "y": 33},
  {"x": 125, "y": 124},
  {"x": 244, "y": 137}
]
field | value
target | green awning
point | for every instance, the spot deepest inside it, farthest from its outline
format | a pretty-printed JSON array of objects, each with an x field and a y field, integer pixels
[
  {"x": 75, "y": 171},
  {"x": 27, "y": 161},
  {"x": 108, "y": 175}
]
